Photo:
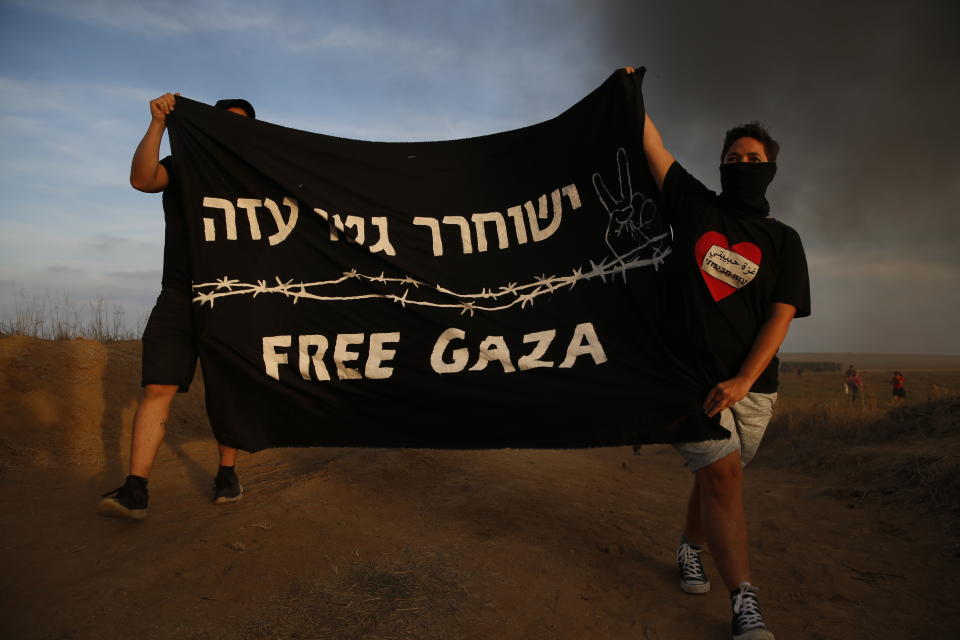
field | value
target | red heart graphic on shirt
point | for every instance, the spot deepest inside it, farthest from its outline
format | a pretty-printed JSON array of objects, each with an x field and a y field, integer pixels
[{"x": 718, "y": 288}]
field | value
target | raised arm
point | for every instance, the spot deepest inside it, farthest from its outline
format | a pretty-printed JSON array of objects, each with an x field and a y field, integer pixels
[
  {"x": 658, "y": 157},
  {"x": 764, "y": 348},
  {"x": 146, "y": 172}
]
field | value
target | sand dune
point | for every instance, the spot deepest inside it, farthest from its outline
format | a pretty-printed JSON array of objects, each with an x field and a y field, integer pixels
[{"x": 352, "y": 543}]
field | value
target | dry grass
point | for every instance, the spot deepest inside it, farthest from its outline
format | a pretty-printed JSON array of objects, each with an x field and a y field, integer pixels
[
  {"x": 59, "y": 318},
  {"x": 404, "y": 602},
  {"x": 813, "y": 408},
  {"x": 825, "y": 389},
  {"x": 908, "y": 452}
]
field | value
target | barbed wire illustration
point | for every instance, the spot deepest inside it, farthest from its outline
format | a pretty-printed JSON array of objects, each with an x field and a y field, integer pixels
[{"x": 487, "y": 299}]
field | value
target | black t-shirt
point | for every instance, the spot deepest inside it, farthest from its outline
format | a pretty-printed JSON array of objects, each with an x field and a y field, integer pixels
[
  {"x": 176, "y": 265},
  {"x": 730, "y": 268}
]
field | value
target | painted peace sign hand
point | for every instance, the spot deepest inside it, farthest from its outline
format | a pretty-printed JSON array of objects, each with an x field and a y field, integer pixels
[{"x": 629, "y": 211}]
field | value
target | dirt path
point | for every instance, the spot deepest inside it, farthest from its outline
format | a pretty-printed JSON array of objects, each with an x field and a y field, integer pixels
[
  {"x": 415, "y": 544},
  {"x": 422, "y": 544}
]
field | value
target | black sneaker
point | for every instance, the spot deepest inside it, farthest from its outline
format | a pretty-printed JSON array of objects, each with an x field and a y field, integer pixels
[
  {"x": 129, "y": 501},
  {"x": 747, "y": 622},
  {"x": 226, "y": 488},
  {"x": 693, "y": 579}
]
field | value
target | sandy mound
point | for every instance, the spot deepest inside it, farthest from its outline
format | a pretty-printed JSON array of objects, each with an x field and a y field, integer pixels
[{"x": 351, "y": 543}]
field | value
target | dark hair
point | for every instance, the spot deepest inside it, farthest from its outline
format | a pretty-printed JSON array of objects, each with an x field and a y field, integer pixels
[
  {"x": 230, "y": 103},
  {"x": 753, "y": 130}
]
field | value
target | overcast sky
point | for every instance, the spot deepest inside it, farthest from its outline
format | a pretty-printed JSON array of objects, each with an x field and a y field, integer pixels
[{"x": 863, "y": 97}]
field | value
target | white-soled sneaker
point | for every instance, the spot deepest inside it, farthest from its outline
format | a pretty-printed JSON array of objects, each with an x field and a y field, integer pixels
[
  {"x": 693, "y": 579},
  {"x": 226, "y": 488},
  {"x": 128, "y": 501},
  {"x": 747, "y": 622}
]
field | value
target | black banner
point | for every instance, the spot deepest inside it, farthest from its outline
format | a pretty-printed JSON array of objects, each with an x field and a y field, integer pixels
[{"x": 499, "y": 291}]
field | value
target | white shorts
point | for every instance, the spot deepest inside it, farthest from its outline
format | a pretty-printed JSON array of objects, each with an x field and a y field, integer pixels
[{"x": 746, "y": 421}]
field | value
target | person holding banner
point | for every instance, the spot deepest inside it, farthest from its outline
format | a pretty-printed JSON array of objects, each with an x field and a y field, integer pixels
[
  {"x": 169, "y": 350},
  {"x": 743, "y": 278}
]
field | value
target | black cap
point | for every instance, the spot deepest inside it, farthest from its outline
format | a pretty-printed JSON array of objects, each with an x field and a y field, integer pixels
[{"x": 229, "y": 103}]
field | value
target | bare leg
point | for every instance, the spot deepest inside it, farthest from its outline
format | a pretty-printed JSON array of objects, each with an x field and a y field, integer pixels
[
  {"x": 228, "y": 455},
  {"x": 149, "y": 427},
  {"x": 693, "y": 529},
  {"x": 721, "y": 514}
]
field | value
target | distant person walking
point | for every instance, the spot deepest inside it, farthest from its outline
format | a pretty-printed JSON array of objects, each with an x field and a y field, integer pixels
[
  {"x": 899, "y": 390},
  {"x": 854, "y": 382}
]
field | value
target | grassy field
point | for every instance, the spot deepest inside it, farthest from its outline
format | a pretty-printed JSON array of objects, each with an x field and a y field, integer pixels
[
  {"x": 878, "y": 360},
  {"x": 825, "y": 389},
  {"x": 873, "y": 449}
]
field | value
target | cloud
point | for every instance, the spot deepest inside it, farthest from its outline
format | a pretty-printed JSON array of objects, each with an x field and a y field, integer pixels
[
  {"x": 52, "y": 140},
  {"x": 877, "y": 264},
  {"x": 64, "y": 98},
  {"x": 45, "y": 251},
  {"x": 273, "y": 24},
  {"x": 107, "y": 243},
  {"x": 157, "y": 19},
  {"x": 151, "y": 275},
  {"x": 427, "y": 52},
  {"x": 872, "y": 300},
  {"x": 62, "y": 269}
]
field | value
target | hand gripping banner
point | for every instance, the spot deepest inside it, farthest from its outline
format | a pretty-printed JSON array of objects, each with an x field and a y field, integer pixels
[{"x": 499, "y": 291}]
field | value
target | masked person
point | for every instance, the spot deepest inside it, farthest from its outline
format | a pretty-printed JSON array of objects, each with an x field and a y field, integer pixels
[
  {"x": 742, "y": 277},
  {"x": 169, "y": 348}
]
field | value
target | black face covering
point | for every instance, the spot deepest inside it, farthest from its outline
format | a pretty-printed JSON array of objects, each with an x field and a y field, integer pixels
[{"x": 745, "y": 185}]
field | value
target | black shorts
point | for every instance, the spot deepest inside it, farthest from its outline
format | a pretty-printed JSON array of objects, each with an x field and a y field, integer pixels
[
  {"x": 899, "y": 393},
  {"x": 169, "y": 350}
]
